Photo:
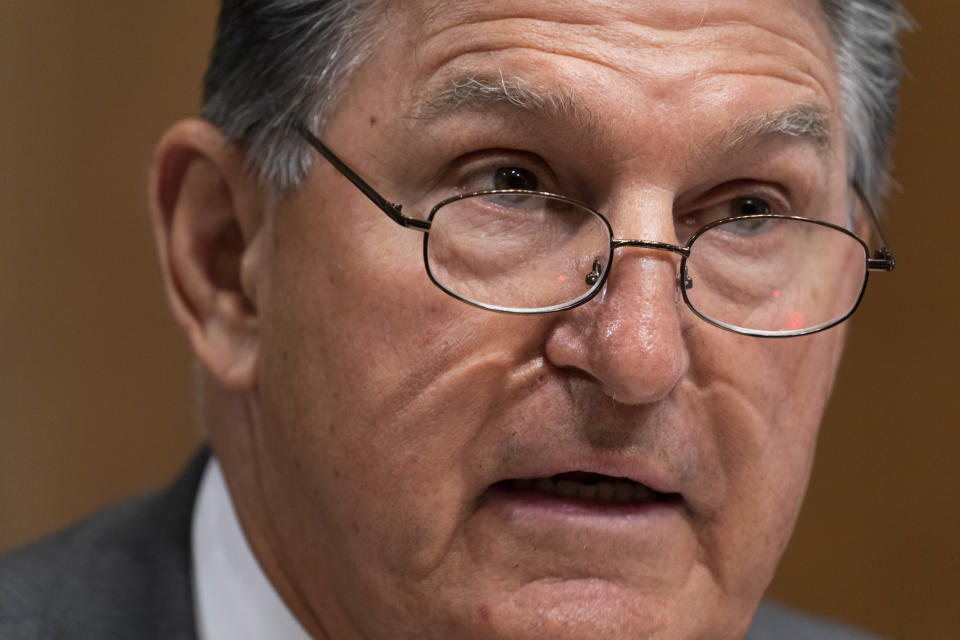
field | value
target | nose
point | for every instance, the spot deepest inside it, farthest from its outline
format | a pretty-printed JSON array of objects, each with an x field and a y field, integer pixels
[{"x": 629, "y": 338}]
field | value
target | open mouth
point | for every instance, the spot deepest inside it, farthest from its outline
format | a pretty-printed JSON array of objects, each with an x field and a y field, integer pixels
[{"x": 587, "y": 487}]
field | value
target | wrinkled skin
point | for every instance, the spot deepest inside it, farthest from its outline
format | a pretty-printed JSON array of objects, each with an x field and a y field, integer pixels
[{"x": 379, "y": 411}]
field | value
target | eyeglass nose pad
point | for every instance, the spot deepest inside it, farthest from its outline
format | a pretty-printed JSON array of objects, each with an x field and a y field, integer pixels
[
  {"x": 594, "y": 276},
  {"x": 687, "y": 282}
]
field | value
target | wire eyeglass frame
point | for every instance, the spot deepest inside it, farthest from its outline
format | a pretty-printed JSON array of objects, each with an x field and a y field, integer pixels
[{"x": 882, "y": 260}]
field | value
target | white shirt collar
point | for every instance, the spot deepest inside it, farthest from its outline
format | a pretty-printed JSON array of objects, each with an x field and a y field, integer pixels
[{"x": 233, "y": 598}]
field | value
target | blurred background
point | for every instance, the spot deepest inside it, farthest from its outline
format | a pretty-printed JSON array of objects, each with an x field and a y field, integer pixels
[{"x": 95, "y": 380}]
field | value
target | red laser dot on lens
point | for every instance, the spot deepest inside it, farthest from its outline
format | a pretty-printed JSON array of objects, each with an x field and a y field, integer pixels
[
  {"x": 561, "y": 278},
  {"x": 794, "y": 321},
  {"x": 776, "y": 293}
]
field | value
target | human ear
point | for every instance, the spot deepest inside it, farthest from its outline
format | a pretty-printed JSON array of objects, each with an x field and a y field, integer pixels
[{"x": 205, "y": 209}]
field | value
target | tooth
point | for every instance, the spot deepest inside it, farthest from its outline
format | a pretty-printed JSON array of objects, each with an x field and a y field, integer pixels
[
  {"x": 523, "y": 484},
  {"x": 622, "y": 492},
  {"x": 567, "y": 489},
  {"x": 604, "y": 491},
  {"x": 544, "y": 484},
  {"x": 642, "y": 493},
  {"x": 587, "y": 491}
]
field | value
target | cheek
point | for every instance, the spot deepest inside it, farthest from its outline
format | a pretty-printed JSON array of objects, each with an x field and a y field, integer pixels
[
  {"x": 764, "y": 415},
  {"x": 380, "y": 406},
  {"x": 771, "y": 393}
]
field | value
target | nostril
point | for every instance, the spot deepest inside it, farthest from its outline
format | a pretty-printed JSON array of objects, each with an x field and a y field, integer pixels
[{"x": 630, "y": 340}]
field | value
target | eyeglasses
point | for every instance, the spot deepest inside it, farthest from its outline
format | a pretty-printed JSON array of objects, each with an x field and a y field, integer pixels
[{"x": 525, "y": 252}]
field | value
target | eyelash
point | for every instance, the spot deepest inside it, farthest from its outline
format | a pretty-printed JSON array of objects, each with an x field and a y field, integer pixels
[
  {"x": 772, "y": 194},
  {"x": 475, "y": 172},
  {"x": 717, "y": 207}
]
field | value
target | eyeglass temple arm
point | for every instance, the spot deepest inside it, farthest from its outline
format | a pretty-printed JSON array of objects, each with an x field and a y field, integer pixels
[
  {"x": 882, "y": 259},
  {"x": 394, "y": 211}
]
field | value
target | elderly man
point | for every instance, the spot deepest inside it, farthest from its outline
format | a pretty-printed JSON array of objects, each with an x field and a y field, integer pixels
[{"x": 516, "y": 320}]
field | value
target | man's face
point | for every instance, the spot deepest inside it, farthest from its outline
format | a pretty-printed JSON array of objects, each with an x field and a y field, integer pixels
[{"x": 391, "y": 419}]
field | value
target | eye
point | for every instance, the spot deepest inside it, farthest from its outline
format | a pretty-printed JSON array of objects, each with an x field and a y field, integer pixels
[
  {"x": 723, "y": 206},
  {"x": 749, "y": 206},
  {"x": 515, "y": 178}
]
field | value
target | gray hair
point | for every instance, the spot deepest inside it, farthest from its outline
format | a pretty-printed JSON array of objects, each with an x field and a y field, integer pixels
[
  {"x": 280, "y": 60},
  {"x": 869, "y": 60}
]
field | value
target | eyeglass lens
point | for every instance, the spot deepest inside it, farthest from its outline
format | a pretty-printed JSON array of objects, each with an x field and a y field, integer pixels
[
  {"x": 775, "y": 275},
  {"x": 516, "y": 251},
  {"x": 525, "y": 252}
]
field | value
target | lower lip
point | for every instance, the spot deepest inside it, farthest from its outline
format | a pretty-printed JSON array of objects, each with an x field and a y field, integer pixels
[{"x": 563, "y": 507}]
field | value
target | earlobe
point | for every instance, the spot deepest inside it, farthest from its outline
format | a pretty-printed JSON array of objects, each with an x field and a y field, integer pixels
[{"x": 205, "y": 212}]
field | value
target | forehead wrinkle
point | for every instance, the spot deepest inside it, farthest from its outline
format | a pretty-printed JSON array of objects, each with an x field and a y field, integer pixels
[
  {"x": 628, "y": 28},
  {"x": 680, "y": 16},
  {"x": 464, "y": 91}
]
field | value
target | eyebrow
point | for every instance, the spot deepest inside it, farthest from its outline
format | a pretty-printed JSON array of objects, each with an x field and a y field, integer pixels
[
  {"x": 806, "y": 122},
  {"x": 476, "y": 92}
]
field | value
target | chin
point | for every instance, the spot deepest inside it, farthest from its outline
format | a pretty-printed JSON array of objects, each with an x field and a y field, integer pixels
[{"x": 593, "y": 609}]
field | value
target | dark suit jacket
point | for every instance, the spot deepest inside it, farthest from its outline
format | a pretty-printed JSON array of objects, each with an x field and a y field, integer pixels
[{"x": 126, "y": 573}]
